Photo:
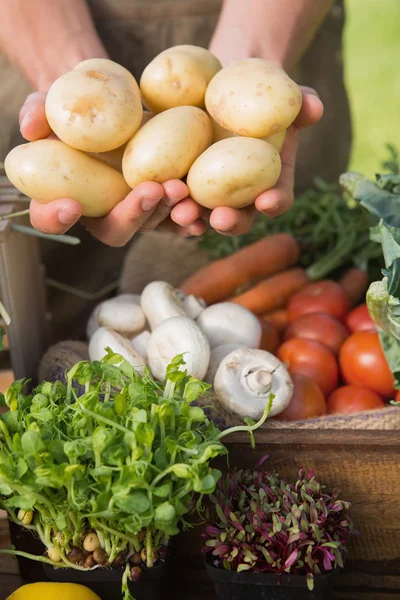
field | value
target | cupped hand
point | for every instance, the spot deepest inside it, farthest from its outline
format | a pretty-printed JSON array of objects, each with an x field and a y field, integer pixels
[{"x": 168, "y": 206}]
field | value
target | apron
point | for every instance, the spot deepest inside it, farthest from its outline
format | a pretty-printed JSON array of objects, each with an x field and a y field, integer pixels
[{"x": 134, "y": 32}]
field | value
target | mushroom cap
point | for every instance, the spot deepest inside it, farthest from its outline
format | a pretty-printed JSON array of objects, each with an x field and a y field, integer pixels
[
  {"x": 93, "y": 322},
  {"x": 121, "y": 315},
  {"x": 161, "y": 301},
  {"x": 217, "y": 354},
  {"x": 240, "y": 374},
  {"x": 140, "y": 342},
  {"x": 228, "y": 323},
  {"x": 178, "y": 335},
  {"x": 106, "y": 338}
]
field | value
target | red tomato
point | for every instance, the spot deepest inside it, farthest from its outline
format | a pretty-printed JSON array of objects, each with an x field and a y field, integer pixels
[
  {"x": 363, "y": 363},
  {"x": 307, "y": 401},
  {"x": 359, "y": 319},
  {"x": 353, "y": 398},
  {"x": 270, "y": 338},
  {"x": 323, "y": 296},
  {"x": 313, "y": 360},
  {"x": 319, "y": 327}
]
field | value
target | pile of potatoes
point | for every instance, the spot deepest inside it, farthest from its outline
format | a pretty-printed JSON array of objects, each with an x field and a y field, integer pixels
[{"x": 221, "y": 128}]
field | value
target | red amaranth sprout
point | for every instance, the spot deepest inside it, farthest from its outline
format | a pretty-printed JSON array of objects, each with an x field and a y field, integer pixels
[{"x": 263, "y": 524}]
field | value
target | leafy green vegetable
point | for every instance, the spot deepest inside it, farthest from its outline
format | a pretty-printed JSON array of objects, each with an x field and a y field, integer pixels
[{"x": 126, "y": 458}]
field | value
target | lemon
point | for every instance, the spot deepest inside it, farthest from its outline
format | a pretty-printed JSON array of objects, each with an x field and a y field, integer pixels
[{"x": 53, "y": 591}]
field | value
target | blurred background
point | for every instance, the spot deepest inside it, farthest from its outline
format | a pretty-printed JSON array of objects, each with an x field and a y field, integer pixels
[{"x": 372, "y": 60}]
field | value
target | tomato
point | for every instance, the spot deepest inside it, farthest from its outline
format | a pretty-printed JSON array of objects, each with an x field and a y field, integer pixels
[
  {"x": 270, "y": 338},
  {"x": 313, "y": 360},
  {"x": 319, "y": 327},
  {"x": 323, "y": 296},
  {"x": 362, "y": 362},
  {"x": 397, "y": 396},
  {"x": 359, "y": 320},
  {"x": 307, "y": 401},
  {"x": 353, "y": 398}
]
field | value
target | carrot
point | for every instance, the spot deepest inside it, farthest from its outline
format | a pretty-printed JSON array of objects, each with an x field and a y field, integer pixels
[
  {"x": 355, "y": 283},
  {"x": 274, "y": 292},
  {"x": 270, "y": 339},
  {"x": 220, "y": 279},
  {"x": 278, "y": 318}
]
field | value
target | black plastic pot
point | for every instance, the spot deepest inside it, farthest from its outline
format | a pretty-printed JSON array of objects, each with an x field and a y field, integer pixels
[
  {"x": 106, "y": 583},
  {"x": 230, "y": 585}
]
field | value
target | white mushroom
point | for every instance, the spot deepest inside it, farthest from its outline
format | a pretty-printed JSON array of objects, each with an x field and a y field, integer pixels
[
  {"x": 122, "y": 316},
  {"x": 161, "y": 301},
  {"x": 178, "y": 335},
  {"x": 193, "y": 306},
  {"x": 140, "y": 343},
  {"x": 216, "y": 356},
  {"x": 228, "y": 323},
  {"x": 106, "y": 338},
  {"x": 93, "y": 322},
  {"x": 246, "y": 378}
]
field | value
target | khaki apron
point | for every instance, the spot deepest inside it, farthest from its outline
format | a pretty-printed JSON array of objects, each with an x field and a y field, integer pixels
[{"x": 134, "y": 31}]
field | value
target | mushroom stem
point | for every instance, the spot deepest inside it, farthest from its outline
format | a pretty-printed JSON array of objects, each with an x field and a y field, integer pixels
[{"x": 259, "y": 381}]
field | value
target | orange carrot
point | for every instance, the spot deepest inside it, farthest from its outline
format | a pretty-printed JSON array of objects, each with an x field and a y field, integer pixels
[
  {"x": 274, "y": 292},
  {"x": 278, "y": 318},
  {"x": 355, "y": 283},
  {"x": 220, "y": 279},
  {"x": 270, "y": 339}
]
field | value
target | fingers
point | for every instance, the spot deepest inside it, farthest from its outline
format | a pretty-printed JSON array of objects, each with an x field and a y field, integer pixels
[
  {"x": 32, "y": 117},
  {"x": 195, "y": 229},
  {"x": 229, "y": 221},
  {"x": 278, "y": 200},
  {"x": 56, "y": 217},
  {"x": 311, "y": 110},
  {"x": 187, "y": 212},
  {"x": 128, "y": 217}
]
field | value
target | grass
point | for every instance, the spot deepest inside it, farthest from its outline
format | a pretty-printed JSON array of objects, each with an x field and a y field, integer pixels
[{"x": 372, "y": 53}]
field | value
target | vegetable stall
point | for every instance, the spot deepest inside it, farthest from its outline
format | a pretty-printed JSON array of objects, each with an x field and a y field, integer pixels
[{"x": 206, "y": 420}]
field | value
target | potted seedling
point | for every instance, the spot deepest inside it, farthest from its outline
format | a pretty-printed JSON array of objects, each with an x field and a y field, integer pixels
[
  {"x": 267, "y": 538},
  {"x": 105, "y": 469}
]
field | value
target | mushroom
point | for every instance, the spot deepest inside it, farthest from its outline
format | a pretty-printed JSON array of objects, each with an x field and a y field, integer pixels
[
  {"x": 193, "y": 306},
  {"x": 246, "y": 378},
  {"x": 228, "y": 323},
  {"x": 216, "y": 356},
  {"x": 93, "y": 322},
  {"x": 140, "y": 343},
  {"x": 107, "y": 338},
  {"x": 161, "y": 301},
  {"x": 178, "y": 335},
  {"x": 122, "y": 316}
]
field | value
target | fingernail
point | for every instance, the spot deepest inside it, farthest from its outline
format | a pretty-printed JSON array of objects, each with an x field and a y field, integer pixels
[
  {"x": 25, "y": 119},
  {"x": 67, "y": 217},
  {"x": 149, "y": 202}
]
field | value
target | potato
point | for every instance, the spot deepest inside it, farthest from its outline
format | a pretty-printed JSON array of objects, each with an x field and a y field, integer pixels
[
  {"x": 253, "y": 98},
  {"x": 49, "y": 169},
  {"x": 219, "y": 133},
  {"x": 178, "y": 77},
  {"x": 96, "y": 107},
  {"x": 167, "y": 146},
  {"x": 113, "y": 158},
  {"x": 233, "y": 172}
]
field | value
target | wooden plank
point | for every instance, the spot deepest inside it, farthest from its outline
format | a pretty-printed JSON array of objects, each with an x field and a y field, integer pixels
[{"x": 23, "y": 294}]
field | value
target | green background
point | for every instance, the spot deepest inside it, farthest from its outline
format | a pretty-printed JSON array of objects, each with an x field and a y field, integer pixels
[{"x": 372, "y": 62}]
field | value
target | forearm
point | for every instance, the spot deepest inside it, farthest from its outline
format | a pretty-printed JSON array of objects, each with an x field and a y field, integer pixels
[
  {"x": 277, "y": 30},
  {"x": 46, "y": 38}
]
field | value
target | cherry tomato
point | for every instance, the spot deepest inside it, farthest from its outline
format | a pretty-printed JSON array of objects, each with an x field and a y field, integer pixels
[
  {"x": 362, "y": 362},
  {"x": 307, "y": 401},
  {"x": 270, "y": 338},
  {"x": 323, "y": 296},
  {"x": 313, "y": 360},
  {"x": 319, "y": 327},
  {"x": 353, "y": 398},
  {"x": 359, "y": 320}
]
